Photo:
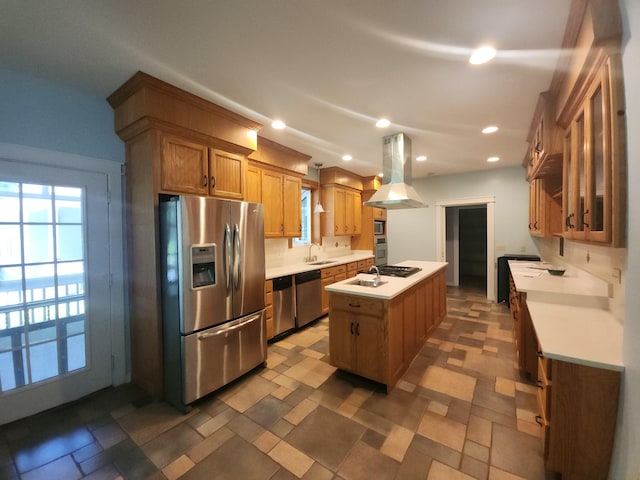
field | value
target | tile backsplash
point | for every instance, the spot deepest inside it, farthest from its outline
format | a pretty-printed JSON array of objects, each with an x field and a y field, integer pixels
[{"x": 278, "y": 253}]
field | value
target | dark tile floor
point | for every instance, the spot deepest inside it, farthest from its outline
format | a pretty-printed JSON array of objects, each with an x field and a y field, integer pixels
[{"x": 460, "y": 412}]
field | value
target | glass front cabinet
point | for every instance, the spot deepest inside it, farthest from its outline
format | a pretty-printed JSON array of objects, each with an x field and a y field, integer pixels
[{"x": 594, "y": 191}]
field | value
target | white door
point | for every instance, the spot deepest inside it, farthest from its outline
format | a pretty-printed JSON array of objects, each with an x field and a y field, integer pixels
[{"x": 54, "y": 287}]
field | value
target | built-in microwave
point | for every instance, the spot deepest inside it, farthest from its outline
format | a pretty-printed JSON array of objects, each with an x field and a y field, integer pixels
[{"x": 378, "y": 227}]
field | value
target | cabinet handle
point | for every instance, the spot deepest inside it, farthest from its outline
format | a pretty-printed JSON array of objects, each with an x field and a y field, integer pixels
[
  {"x": 567, "y": 221},
  {"x": 586, "y": 212},
  {"x": 351, "y": 328},
  {"x": 540, "y": 386},
  {"x": 205, "y": 181},
  {"x": 358, "y": 329},
  {"x": 336, "y": 228},
  {"x": 535, "y": 225},
  {"x": 539, "y": 353},
  {"x": 282, "y": 227},
  {"x": 539, "y": 420},
  {"x": 354, "y": 305},
  {"x": 213, "y": 181}
]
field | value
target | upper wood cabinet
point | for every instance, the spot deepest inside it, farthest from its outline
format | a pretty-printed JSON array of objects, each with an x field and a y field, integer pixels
[
  {"x": 545, "y": 206},
  {"x": 193, "y": 168},
  {"x": 343, "y": 207},
  {"x": 253, "y": 192},
  {"x": 544, "y": 157},
  {"x": 594, "y": 172},
  {"x": 281, "y": 197}
]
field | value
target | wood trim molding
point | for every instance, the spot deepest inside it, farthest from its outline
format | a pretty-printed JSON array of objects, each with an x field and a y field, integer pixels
[{"x": 277, "y": 155}]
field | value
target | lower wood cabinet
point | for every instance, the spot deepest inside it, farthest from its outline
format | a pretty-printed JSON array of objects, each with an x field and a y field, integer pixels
[
  {"x": 578, "y": 407},
  {"x": 523, "y": 333},
  {"x": 328, "y": 276},
  {"x": 378, "y": 339},
  {"x": 268, "y": 293}
]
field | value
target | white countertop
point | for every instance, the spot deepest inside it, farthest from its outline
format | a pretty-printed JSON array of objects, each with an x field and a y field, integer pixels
[
  {"x": 391, "y": 286},
  {"x": 583, "y": 335},
  {"x": 529, "y": 277},
  {"x": 569, "y": 314},
  {"x": 294, "y": 268}
]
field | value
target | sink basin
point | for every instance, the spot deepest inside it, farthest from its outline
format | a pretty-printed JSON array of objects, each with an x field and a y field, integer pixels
[
  {"x": 321, "y": 262},
  {"x": 367, "y": 282}
]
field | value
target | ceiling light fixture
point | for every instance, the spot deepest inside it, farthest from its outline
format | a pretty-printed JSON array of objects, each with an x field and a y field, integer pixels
[
  {"x": 383, "y": 123},
  {"x": 421, "y": 158},
  {"x": 347, "y": 157},
  {"x": 490, "y": 129},
  {"x": 278, "y": 124},
  {"x": 482, "y": 55},
  {"x": 493, "y": 159},
  {"x": 318, "y": 207}
]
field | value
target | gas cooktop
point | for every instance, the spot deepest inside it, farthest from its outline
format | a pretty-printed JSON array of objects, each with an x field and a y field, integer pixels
[{"x": 397, "y": 270}]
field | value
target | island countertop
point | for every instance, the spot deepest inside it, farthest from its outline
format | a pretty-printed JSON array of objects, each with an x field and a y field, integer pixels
[{"x": 390, "y": 286}]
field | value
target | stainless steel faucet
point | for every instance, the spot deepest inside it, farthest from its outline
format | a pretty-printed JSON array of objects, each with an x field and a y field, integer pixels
[
  {"x": 377, "y": 270},
  {"x": 310, "y": 258}
]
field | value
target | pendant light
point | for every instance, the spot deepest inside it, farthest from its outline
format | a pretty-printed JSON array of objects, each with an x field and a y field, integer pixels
[{"x": 318, "y": 208}]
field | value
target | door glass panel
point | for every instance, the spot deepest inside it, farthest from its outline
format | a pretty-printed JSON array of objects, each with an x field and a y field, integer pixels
[
  {"x": 580, "y": 207},
  {"x": 42, "y": 295},
  {"x": 567, "y": 174},
  {"x": 597, "y": 205}
]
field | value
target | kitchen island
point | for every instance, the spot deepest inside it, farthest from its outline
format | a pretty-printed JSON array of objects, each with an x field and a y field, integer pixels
[{"x": 377, "y": 331}]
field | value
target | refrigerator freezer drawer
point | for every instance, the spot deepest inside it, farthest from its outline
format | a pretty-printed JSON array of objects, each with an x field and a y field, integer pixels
[{"x": 219, "y": 355}]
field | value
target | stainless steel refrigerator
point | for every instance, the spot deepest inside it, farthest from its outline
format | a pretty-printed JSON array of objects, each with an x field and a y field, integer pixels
[{"x": 213, "y": 301}]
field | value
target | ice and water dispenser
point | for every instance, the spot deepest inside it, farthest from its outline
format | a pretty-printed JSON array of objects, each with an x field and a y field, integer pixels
[{"x": 203, "y": 266}]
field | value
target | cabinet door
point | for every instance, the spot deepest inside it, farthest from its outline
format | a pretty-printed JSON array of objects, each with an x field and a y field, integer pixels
[
  {"x": 325, "y": 295},
  {"x": 349, "y": 214},
  {"x": 370, "y": 353},
  {"x": 254, "y": 185},
  {"x": 342, "y": 339},
  {"x": 272, "y": 201},
  {"x": 339, "y": 217},
  {"x": 357, "y": 213},
  {"x": 292, "y": 207},
  {"x": 184, "y": 167},
  {"x": 226, "y": 174}
]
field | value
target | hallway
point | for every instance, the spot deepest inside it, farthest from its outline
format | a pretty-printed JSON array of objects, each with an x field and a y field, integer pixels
[{"x": 459, "y": 412}]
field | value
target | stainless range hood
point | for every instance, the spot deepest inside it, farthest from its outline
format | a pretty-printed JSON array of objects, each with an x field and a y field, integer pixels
[{"x": 396, "y": 192}]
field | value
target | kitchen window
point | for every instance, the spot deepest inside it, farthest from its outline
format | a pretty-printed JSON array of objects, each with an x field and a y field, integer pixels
[{"x": 305, "y": 238}]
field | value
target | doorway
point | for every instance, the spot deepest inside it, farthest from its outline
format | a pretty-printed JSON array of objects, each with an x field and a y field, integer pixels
[
  {"x": 465, "y": 240},
  {"x": 57, "y": 334}
]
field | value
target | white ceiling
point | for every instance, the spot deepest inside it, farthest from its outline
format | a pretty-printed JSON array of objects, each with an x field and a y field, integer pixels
[{"x": 328, "y": 68}]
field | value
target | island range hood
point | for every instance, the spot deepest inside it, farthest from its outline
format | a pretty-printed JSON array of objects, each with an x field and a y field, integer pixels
[{"x": 396, "y": 191}]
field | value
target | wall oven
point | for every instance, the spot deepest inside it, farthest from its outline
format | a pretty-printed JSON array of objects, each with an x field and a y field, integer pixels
[{"x": 380, "y": 250}]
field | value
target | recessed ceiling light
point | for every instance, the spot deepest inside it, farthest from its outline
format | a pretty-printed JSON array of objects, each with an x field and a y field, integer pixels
[
  {"x": 490, "y": 129},
  {"x": 482, "y": 55},
  {"x": 347, "y": 157},
  {"x": 493, "y": 159},
  {"x": 421, "y": 158},
  {"x": 383, "y": 123},
  {"x": 278, "y": 124}
]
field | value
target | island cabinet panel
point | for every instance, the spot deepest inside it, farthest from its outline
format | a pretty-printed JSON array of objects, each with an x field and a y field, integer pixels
[
  {"x": 357, "y": 336},
  {"x": 578, "y": 410},
  {"x": 379, "y": 338}
]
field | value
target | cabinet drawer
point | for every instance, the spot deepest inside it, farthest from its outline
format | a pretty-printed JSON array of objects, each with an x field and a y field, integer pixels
[
  {"x": 357, "y": 305},
  {"x": 268, "y": 286},
  {"x": 269, "y": 298},
  {"x": 544, "y": 399},
  {"x": 269, "y": 311},
  {"x": 544, "y": 365},
  {"x": 333, "y": 271},
  {"x": 352, "y": 266},
  {"x": 362, "y": 264}
]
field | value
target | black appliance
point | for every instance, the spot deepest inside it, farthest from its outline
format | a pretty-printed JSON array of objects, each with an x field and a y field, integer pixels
[
  {"x": 397, "y": 270},
  {"x": 503, "y": 273}
]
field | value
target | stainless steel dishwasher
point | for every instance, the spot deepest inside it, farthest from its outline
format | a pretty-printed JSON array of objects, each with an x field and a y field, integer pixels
[
  {"x": 283, "y": 314},
  {"x": 308, "y": 297}
]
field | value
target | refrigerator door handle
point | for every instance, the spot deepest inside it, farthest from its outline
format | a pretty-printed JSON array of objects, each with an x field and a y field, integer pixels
[
  {"x": 222, "y": 331},
  {"x": 237, "y": 257},
  {"x": 227, "y": 254}
]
